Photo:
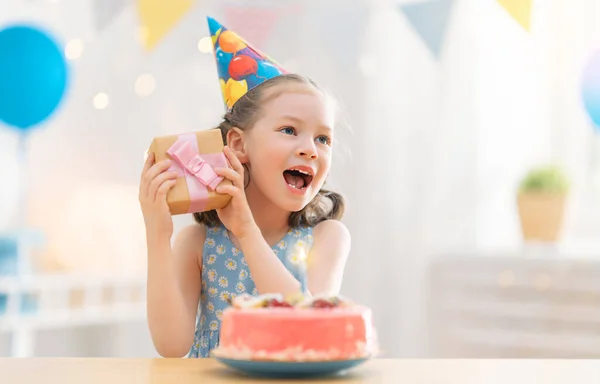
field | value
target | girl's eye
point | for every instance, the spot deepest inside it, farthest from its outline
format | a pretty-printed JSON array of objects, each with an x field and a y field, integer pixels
[
  {"x": 324, "y": 140},
  {"x": 287, "y": 130}
]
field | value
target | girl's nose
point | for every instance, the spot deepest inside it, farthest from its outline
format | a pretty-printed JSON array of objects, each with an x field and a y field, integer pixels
[
  {"x": 313, "y": 156},
  {"x": 309, "y": 151}
]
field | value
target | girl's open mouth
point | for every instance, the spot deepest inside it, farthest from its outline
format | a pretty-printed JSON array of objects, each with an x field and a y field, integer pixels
[{"x": 297, "y": 178}]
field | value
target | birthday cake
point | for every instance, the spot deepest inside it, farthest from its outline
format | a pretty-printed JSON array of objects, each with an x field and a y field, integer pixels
[{"x": 271, "y": 328}]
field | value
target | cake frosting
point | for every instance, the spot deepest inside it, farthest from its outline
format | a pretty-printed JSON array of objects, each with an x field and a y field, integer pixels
[{"x": 269, "y": 327}]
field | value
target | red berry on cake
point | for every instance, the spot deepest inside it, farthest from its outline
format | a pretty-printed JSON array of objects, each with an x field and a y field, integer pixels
[
  {"x": 321, "y": 303},
  {"x": 274, "y": 303}
]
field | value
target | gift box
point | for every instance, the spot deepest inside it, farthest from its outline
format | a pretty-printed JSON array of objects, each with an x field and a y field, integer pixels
[{"x": 194, "y": 156}]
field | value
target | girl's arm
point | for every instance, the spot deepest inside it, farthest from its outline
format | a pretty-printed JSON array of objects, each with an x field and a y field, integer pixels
[
  {"x": 267, "y": 271},
  {"x": 327, "y": 259},
  {"x": 325, "y": 265},
  {"x": 174, "y": 283}
]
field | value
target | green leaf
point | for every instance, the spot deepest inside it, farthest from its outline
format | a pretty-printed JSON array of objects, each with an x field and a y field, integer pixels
[{"x": 545, "y": 179}]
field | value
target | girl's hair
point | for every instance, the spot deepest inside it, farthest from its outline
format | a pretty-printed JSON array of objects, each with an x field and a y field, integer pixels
[{"x": 247, "y": 110}]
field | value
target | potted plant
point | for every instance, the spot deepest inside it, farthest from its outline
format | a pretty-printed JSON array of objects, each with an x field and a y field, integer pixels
[{"x": 541, "y": 203}]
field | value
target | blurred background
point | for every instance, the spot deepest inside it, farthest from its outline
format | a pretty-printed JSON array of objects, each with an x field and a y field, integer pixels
[{"x": 467, "y": 150}]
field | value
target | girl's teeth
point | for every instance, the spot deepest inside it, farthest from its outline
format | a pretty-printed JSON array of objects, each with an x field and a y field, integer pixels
[{"x": 302, "y": 172}]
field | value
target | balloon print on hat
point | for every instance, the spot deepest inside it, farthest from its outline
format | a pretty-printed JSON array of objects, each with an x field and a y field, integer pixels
[
  {"x": 33, "y": 76},
  {"x": 268, "y": 70},
  {"x": 230, "y": 42},
  {"x": 242, "y": 66}
]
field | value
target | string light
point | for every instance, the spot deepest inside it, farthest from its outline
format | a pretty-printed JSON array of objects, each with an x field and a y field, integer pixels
[
  {"x": 506, "y": 278},
  {"x": 142, "y": 35},
  {"x": 101, "y": 100},
  {"x": 73, "y": 49},
  {"x": 542, "y": 282},
  {"x": 145, "y": 85},
  {"x": 205, "y": 45}
]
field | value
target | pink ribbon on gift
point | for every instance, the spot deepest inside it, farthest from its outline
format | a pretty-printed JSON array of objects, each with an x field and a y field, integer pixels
[{"x": 197, "y": 170}]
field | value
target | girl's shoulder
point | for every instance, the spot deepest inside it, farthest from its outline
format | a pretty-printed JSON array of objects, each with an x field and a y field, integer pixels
[
  {"x": 331, "y": 229},
  {"x": 331, "y": 237},
  {"x": 190, "y": 238}
]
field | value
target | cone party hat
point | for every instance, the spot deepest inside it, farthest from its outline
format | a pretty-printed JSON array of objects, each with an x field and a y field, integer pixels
[{"x": 240, "y": 66}]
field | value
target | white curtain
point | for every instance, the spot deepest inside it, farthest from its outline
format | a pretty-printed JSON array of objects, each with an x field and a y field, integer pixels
[{"x": 449, "y": 140}]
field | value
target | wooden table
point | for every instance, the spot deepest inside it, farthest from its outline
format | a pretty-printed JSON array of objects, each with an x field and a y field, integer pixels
[{"x": 208, "y": 371}]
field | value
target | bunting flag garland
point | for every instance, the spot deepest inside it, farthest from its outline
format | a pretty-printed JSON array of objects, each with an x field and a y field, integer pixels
[
  {"x": 430, "y": 20},
  {"x": 105, "y": 11},
  {"x": 520, "y": 10},
  {"x": 254, "y": 22},
  {"x": 158, "y": 17}
]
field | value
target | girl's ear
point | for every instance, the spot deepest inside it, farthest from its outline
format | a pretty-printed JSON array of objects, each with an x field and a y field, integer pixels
[{"x": 235, "y": 141}]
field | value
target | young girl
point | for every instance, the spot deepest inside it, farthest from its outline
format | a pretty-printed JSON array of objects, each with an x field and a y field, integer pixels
[{"x": 280, "y": 233}]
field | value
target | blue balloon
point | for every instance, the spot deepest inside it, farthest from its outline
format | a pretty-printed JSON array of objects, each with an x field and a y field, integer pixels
[
  {"x": 33, "y": 76},
  {"x": 223, "y": 56},
  {"x": 267, "y": 70},
  {"x": 590, "y": 88},
  {"x": 253, "y": 81},
  {"x": 223, "y": 59}
]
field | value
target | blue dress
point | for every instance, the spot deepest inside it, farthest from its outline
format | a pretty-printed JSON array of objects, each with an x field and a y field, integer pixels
[{"x": 225, "y": 274}]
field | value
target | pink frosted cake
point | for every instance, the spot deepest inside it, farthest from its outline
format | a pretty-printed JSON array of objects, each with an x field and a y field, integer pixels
[{"x": 317, "y": 329}]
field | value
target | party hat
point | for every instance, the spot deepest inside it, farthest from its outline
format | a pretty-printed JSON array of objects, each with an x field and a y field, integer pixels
[{"x": 240, "y": 66}]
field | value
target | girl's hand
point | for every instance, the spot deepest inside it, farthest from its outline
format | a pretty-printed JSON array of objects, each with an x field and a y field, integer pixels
[
  {"x": 236, "y": 216},
  {"x": 155, "y": 182}
]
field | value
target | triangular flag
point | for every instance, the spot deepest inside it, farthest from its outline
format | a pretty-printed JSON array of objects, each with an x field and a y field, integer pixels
[
  {"x": 158, "y": 17},
  {"x": 520, "y": 10},
  {"x": 430, "y": 20},
  {"x": 255, "y": 23},
  {"x": 106, "y": 10}
]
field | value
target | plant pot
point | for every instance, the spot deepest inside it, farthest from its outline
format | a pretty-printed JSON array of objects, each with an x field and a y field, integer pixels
[{"x": 541, "y": 215}]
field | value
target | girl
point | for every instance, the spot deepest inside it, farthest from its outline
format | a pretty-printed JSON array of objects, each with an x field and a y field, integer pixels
[{"x": 280, "y": 233}]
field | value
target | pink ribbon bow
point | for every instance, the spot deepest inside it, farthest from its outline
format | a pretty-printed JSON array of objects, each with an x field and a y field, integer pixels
[
  {"x": 190, "y": 160},
  {"x": 198, "y": 170}
]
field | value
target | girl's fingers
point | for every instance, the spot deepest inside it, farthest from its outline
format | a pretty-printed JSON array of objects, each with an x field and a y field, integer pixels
[
  {"x": 152, "y": 173},
  {"x": 228, "y": 189},
  {"x": 233, "y": 160},
  {"x": 164, "y": 188},
  {"x": 231, "y": 175},
  {"x": 158, "y": 182},
  {"x": 147, "y": 165}
]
